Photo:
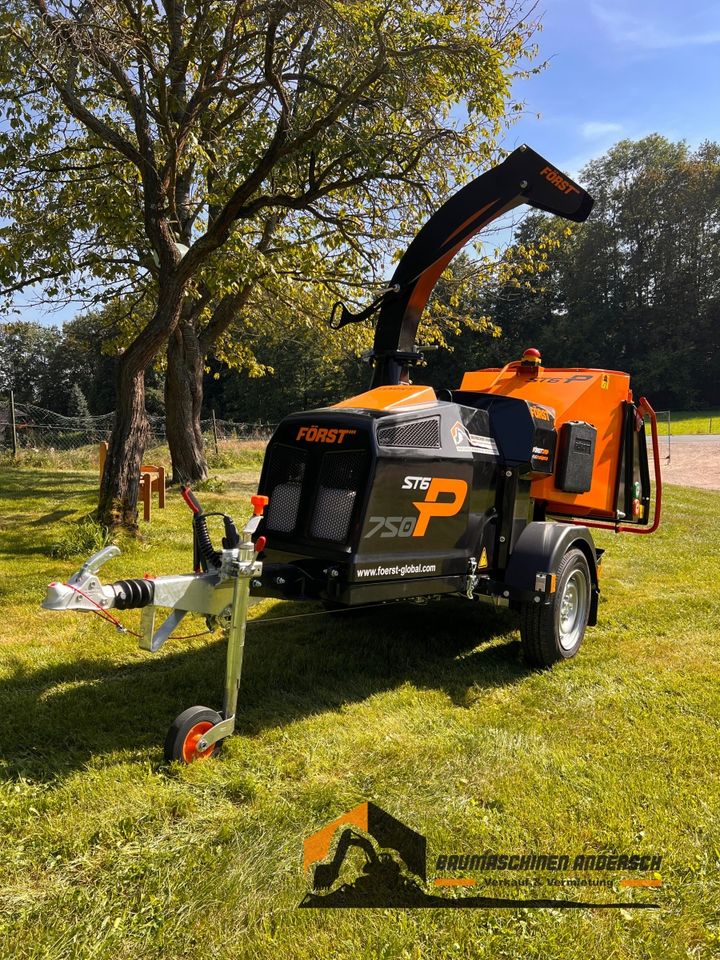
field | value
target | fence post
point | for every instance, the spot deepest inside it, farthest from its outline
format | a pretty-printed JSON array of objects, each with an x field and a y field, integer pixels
[
  {"x": 215, "y": 432},
  {"x": 13, "y": 423}
]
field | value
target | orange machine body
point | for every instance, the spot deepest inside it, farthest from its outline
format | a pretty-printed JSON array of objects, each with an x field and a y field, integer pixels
[{"x": 593, "y": 396}]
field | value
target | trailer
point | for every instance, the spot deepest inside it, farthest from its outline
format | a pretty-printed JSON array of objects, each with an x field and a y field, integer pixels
[{"x": 487, "y": 492}]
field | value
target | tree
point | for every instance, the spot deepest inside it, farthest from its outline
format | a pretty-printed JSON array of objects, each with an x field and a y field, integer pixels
[
  {"x": 636, "y": 287},
  {"x": 140, "y": 139},
  {"x": 77, "y": 404},
  {"x": 26, "y": 355},
  {"x": 86, "y": 356},
  {"x": 655, "y": 238},
  {"x": 297, "y": 366},
  {"x": 300, "y": 365}
]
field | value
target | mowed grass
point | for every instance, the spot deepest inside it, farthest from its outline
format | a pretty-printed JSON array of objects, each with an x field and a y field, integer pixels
[
  {"x": 106, "y": 852},
  {"x": 683, "y": 422}
]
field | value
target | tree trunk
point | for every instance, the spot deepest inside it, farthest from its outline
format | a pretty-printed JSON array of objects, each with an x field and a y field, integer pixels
[
  {"x": 121, "y": 477},
  {"x": 120, "y": 482},
  {"x": 183, "y": 403}
]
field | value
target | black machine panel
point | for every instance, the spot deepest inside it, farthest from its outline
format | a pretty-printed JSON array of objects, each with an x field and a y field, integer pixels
[
  {"x": 387, "y": 494},
  {"x": 524, "y": 432},
  {"x": 285, "y": 475},
  {"x": 315, "y": 475},
  {"x": 424, "y": 432}
]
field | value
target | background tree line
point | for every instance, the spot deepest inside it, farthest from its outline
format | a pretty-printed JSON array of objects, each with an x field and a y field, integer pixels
[{"x": 636, "y": 288}]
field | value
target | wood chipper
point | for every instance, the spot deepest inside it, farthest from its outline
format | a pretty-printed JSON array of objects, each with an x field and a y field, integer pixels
[{"x": 486, "y": 492}]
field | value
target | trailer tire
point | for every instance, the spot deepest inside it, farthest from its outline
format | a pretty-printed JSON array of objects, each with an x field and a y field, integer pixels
[
  {"x": 554, "y": 631},
  {"x": 185, "y": 732}
]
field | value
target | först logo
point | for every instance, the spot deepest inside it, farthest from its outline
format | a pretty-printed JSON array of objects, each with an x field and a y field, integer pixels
[
  {"x": 558, "y": 180},
  {"x": 459, "y": 435},
  {"x": 540, "y": 413},
  {"x": 315, "y": 434}
]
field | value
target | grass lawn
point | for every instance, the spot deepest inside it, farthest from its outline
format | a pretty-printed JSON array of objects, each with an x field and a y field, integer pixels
[
  {"x": 106, "y": 852},
  {"x": 684, "y": 422}
]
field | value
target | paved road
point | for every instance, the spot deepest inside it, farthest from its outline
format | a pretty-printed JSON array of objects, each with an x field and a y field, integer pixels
[{"x": 694, "y": 437}]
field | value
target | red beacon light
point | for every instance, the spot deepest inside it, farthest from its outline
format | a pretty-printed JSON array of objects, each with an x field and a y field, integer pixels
[{"x": 531, "y": 361}]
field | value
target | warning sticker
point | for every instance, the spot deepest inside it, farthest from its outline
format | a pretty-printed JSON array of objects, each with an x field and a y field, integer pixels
[
  {"x": 467, "y": 442},
  {"x": 483, "y": 561}
]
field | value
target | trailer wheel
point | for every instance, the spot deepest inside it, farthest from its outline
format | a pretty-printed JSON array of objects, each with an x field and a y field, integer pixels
[
  {"x": 555, "y": 631},
  {"x": 187, "y": 730}
]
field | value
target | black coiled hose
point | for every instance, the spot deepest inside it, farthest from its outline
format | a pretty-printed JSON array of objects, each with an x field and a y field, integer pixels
[{"x": 202, "y": 539}]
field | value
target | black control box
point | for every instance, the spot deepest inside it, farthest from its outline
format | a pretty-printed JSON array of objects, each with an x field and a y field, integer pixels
[{"x": 576, "y": 454}]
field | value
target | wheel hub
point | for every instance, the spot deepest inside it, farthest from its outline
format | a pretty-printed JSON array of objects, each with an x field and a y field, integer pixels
[
  {"x": 573, "y": 608},
  {"x": 192, "y": 749}
]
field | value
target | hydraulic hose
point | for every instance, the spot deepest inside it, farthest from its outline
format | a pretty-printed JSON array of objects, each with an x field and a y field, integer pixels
[{"x": 204, "y": 543}]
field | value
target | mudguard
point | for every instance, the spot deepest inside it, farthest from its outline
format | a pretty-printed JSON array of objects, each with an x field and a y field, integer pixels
[{"x": 541, "y": 547}]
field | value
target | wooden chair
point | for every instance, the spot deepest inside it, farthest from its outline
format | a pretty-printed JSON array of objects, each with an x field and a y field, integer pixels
[{"x": 152, "y": 479}]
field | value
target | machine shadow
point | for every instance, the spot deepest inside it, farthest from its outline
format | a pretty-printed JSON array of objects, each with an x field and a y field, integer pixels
[{"x": 57, "y": 719}]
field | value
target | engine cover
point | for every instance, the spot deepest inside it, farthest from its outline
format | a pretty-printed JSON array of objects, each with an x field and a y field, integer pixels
[{"x": 360, "y": 497}]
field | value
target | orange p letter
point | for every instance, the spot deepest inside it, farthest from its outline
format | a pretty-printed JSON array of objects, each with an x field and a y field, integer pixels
[{"x": 430, "y": 507}]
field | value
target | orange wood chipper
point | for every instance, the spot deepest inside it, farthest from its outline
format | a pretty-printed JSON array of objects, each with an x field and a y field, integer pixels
[{"x": 486, "y": 492}]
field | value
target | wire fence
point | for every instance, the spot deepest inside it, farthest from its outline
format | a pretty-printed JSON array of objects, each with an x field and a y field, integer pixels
[{"x": 38, "y": 429}]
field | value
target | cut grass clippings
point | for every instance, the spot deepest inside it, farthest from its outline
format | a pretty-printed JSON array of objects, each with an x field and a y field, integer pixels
[{"x": 106, "y": 852}]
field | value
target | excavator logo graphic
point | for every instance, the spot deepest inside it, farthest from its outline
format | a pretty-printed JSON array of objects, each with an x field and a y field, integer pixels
[{"x": 393, "y": 868}]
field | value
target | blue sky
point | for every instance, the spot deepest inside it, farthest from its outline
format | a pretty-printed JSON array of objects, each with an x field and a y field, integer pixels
[
  {"x": 621, "y": 70},
  {"x": 615, "y": 70}
]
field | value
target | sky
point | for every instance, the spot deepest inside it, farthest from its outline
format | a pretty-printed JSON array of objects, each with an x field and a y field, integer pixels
[
  {"x": 621, "y": 70},
  {"x": 615, "y": 70}
]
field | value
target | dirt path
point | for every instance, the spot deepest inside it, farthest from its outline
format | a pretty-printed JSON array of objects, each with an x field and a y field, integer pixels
[{"x": 694, "y": 462}]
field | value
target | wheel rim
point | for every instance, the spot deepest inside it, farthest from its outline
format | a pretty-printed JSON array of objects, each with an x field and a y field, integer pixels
[
  {"x": 573, "y": 610},
  {"x": 190, "y": 751}
]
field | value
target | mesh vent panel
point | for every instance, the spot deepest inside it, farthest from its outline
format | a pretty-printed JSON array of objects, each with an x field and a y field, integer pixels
[
  {"x": 287, "y": 469},
  {"x": 340, "y": 477},
  {"x": 415, "y": 433}
]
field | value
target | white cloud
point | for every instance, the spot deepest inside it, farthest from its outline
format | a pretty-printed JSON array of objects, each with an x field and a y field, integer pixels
[
  {"x": 642, "y": 33},
  {"x": 595, "y": 129}
]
